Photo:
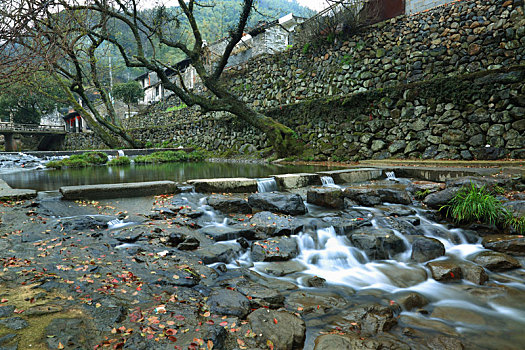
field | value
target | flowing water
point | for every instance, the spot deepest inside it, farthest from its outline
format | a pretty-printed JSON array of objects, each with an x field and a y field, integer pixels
[
  {"x": 490, "y": 316},
  {"x": 267, "y": 185}
]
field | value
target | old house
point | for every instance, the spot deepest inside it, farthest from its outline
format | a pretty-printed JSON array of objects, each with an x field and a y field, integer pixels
[{"x": 265, "y": 38}]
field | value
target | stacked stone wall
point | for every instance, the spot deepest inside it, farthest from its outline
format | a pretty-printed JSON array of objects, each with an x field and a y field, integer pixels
[{"x": 408, "y": 87}]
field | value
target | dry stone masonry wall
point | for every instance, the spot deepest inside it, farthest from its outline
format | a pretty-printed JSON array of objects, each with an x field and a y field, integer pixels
[{"x": 432, "y": 85}]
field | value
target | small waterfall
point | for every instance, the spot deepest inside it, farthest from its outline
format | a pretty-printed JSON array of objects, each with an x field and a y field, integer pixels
[
  {"x": 390, "y": 175},
  {"x": 328, "y": 181},
  {"x": 267, "y": 185},
  {"x": 117, "y": 223},
  {"x": 120, "y": 153}
]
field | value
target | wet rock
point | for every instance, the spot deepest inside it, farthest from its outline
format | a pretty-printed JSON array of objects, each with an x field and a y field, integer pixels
[
  {"x": 276, "y": 249},
  {"x": 426, "y": 248},
  {"x": 6, "y": 339},
  {"x": 325, "y": 197},
  {"x": 226, "y": 233},
  {"x": 315, "y": 301},
  {"x": 191, "y": 212},
  {"x": 495, "y": 261},
  {"x": 439, "y": 199},
  {"x": 371, "y": 319},
  {"x": 412, "y": 301},
  {"x": 445, "y": 270},
  {"x": 374, "y": 196},
  {"x": 82, "y": 223},
  {"x": 424, "y": 323},
  {"x": 444, "y": 343},
  {"x": 425, "y": 186},
  {"x": 228, "y": 302},
  {"x": 6, "y": 310},
  {"x": 43, "y": 310},
  {"x": 260, "y": 295},
  {"x": 489, "y": 153},
  {"x": 455, "y": 314},
  {"x": 285, "y": 330},
  {"x": 517, "y": 207},
  {"x": 268, "y": 224},
  {"x": 190, "y": 243},
  {"x": 106, "y": 317},
  {"x": 229, "y": 204},
  {"x": 478, "y": 181},
  {"x": 315, "y": 282},
  {"x": 72, "y": 333},
  {"x": 510, "y": 244},
  {"x": 14, "y": 323},
  {"x": 403, "y": 277},
  {"x": 283, "y": 268},
  {"x": 344, "y": 225},
  {"x": 218, "y": 252},
  {"x": 473, "y": 273},
  {"x": 291, "y": 204},
  {"x": 353, "y": 341},
  {"x": 175, "y": 238},
  {"x": 377, "y": 243}
]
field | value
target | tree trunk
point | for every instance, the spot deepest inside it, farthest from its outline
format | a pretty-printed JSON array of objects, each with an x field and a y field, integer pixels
[{"x": 283, "y": 139}]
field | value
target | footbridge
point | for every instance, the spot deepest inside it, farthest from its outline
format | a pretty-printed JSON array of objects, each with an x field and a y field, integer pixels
[{"x": 49, "y": 133}]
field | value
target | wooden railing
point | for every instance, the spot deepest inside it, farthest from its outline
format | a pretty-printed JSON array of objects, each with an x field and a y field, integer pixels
[{"x": 28, "y": 128}]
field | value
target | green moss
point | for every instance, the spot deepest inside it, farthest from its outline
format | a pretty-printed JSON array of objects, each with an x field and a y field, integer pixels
[
  {"x": 171, "y": 157},
  {"x": 120, "y": 161}
]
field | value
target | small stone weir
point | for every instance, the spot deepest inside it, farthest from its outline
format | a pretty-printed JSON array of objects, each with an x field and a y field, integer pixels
[{"x": 267, "y": 185}]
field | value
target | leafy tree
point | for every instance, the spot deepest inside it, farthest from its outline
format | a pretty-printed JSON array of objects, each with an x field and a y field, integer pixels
[
  {"x": 129, "y": 93},
  {"x": 25, "y": 101}
]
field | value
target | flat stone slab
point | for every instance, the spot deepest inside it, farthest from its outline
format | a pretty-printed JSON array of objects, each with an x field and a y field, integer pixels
[
  {"x": 228, "y": 185},
  {"x": 121, "y": 190},
  {"x": 8, "y": 193},
  {"x": 290, "y": 181},
  {"x": 353, "y": 175}
]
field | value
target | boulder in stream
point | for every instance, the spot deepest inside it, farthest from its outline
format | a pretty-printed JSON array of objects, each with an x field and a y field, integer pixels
[
  {"x": 275, "y": 249},
  {"x": 510, "y": 244},
  {"x": 229, "y": 205},
  {"x": 283, "y": 203},
  {"x": 445, "y": 270},
  {"x": 285, "y": 330},
  {"x": 438, "y": 199},
  {"x": 426, "y": 248},
  {"x": 328, "y": 197},
  {"x": 268, "y": 224},
  {"x": 495, "y": 261},
  {"x": 377, "y": 243},
  {"x": 228, "y": 302}
]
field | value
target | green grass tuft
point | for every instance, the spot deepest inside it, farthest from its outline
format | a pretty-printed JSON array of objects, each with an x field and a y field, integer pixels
[{"x": 120, "y": 161}]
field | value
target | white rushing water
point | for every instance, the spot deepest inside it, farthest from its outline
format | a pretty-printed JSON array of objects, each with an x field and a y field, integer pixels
[
  {"x": 267, "y": 185},
  {"x": 390, "y": 175},
  {"x": 328, "y": 181}
]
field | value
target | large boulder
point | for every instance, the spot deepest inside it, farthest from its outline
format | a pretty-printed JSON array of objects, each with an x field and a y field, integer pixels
[
  {"x": 438, "y": 199},
  {"x": 328, "y": 197},
  {"x": 426, "y": 248},
  {"x": 369, "y": 196},
  {"x": 268, "y": 224},
  {"x": 371, "y": 319},
  {"x": 377, "y": 243},
  {"x": 226, "y": 233},
  {"x": 291, "y": 204},
  {"x": 229, "y": 205},
  {"x": 228, "y": 302},
  {"x": 510, "y": 244},
  {"x": 218, "y": 252},
  {"x": 275, "y": 249},
  {"x": 495, "y": 261},
  {"x": 445, "y": 270},
  {"x": 473, "y": 273},
  {"x": 283, "y": 329}
]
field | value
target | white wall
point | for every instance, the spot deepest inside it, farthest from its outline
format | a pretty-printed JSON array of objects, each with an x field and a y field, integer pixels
[{"x": 414, "y": 6}]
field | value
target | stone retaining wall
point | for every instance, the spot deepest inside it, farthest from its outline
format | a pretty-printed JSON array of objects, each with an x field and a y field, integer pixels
[{"x": 347, "y": 100}]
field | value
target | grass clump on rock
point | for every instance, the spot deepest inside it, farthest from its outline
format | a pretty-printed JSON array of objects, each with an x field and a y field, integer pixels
[
  {"x": 79, "y": 160},
  {"x": 170, "y": 157},
  {"x": 120, "y": 161},
  {"x": 478, "y": 204}
]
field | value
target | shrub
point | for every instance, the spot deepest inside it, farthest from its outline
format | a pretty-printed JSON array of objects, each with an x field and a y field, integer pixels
[
  {"x": 120, "y": 161},
  {"x": 57, "y": 164},
  {"x": 95, "y": 158},
  {"x": 170, "y": 157}
]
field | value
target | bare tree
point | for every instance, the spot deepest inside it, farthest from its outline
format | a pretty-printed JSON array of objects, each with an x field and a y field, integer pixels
[
  {"x": 40, "y": 36},
  {"x": 93, "y": 23}
]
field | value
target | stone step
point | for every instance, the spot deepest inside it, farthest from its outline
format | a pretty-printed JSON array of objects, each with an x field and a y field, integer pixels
[
  {"x": 353, "y": 175},
  {"x": 227, "y": 185},
  {"x": 121, "y": 190},
  {"x": 8, "y": 193},
  {"x": 291, "y": 181}
]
